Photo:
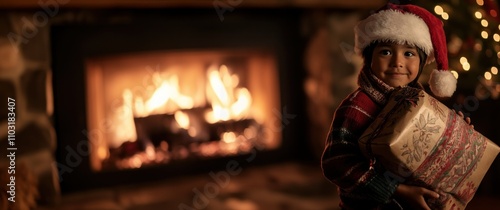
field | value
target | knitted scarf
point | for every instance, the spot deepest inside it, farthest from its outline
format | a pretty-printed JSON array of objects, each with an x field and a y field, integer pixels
[{"x": 377, "y": 89}]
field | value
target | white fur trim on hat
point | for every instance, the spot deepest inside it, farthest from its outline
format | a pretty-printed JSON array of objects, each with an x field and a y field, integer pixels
[
  {"x": 395, "y": 26},
  {"x": 442, "y": 83}
]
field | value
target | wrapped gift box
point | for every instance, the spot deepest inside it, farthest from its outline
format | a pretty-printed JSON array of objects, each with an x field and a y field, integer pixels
[{"x": 420, "y": 141}]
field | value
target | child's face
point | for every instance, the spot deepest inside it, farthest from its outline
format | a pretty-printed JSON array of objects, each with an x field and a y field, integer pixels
[{"x": 395, "y": 64}]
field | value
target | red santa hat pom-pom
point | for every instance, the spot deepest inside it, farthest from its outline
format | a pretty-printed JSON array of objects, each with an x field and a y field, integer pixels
[{"x": 442, "y": 83}]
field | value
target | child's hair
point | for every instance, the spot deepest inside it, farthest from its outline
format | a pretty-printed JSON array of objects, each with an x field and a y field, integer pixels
[{"x": 368, "y": 53}]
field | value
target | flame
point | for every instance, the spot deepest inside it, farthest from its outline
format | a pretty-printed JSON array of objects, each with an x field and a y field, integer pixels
[
  {"x": 183, "y": 102},
  {"x": 228, "y": 101},
  {"x": 159, "y": 97},
  {"x": 244, "y": 100},
  {"x": 218, "y": 87},
  {"x": 139, "y": 109},
  {"x": 168, "y": 90},
  {"x": 123, "y": 125},
  {"x": 182, "y": 119}
]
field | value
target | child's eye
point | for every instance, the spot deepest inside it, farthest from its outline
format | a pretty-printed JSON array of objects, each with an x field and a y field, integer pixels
[
  {"x": 385, "y": 52},
  {"x": 409, "y": 54}
]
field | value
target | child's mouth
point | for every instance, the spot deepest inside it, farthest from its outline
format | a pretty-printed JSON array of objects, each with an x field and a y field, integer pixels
[{"x": 396, "y": 74}]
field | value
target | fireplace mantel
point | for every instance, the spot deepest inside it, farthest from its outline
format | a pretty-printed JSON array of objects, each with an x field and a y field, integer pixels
[{"x": 336, "y": 4}]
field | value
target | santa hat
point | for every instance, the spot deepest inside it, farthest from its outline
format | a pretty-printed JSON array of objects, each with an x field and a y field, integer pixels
[{"x": 413, "y": 25}]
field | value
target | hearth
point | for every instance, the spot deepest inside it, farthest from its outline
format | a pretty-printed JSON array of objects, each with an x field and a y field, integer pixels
[{"x": 150, "y": 94}]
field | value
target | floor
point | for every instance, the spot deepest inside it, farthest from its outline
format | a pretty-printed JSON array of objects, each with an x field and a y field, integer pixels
[{"x": 285, "y": 186}]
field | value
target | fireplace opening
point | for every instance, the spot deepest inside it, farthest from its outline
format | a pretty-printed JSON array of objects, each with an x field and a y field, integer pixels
[
  {"x": 160, "y": 107},
  {"x": 142, "y": 95}
]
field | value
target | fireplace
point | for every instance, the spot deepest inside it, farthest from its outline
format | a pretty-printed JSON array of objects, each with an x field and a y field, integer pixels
[
  {"x": 162, "y": 107},
  {"x": 150, "y": 94}
]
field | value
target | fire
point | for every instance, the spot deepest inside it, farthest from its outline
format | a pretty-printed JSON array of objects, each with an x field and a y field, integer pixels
[
  {"x": 218, "y": 87},
  {"x": 182, "y": 109},
  {"x": 228, "y": 101},
  {"x": 168, "y": 90}
]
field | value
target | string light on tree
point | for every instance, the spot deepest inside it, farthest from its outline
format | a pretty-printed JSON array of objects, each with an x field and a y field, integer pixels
[
  {"x": 479, "y": 16},
  {"x": 484, "y": 23},
  {"x": 496, "y": 37},
  {"x": 445, "y": 16},
  {"x": 438, "y": 10},
  {"x": 484, "y": 34},
  {"x": 463, "y": 60},
  {"x": 465, "y": 63},
  {"x": 494, "y": 70},
  {"x": 487, "y": 75}
]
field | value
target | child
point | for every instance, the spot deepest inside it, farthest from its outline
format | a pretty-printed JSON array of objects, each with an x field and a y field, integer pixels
[{"x": 396, "y": 43}]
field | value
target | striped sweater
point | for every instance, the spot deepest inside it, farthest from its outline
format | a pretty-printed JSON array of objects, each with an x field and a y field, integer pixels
[{"x": 360, "y": 186}]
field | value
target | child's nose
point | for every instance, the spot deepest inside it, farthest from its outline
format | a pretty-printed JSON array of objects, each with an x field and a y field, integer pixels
[{"x": 397, "y": 61}]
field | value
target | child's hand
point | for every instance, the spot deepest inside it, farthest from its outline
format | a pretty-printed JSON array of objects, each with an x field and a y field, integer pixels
[
  {"x": 415, "y": 196},
  {"x": 467, "y": 119}
]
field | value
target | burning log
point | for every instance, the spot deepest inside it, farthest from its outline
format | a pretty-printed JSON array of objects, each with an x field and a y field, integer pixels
[
  {"x": 164, "y": 127},
  {"x": 154, "y": 129}
]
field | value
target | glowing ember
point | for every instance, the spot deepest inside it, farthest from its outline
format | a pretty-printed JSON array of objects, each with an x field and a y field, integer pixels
[{"x": 228, "y": 137}]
